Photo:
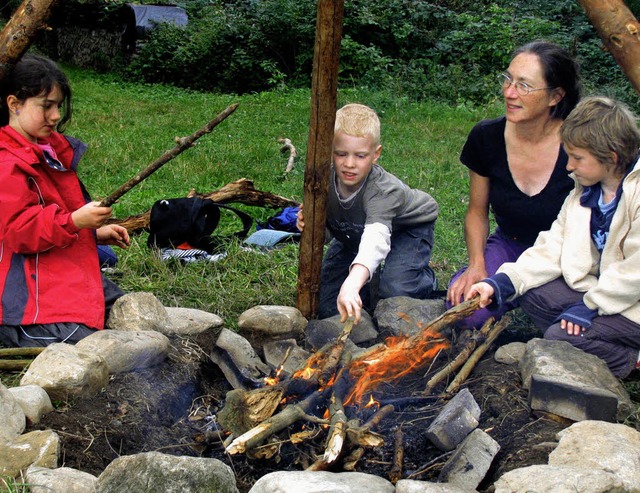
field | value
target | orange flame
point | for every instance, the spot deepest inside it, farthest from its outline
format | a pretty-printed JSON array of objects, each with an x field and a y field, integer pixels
[
  {"x": 372, "y": 402},
  {"x": 398, "y": 357},
  {"x": 274, "y": 379},
  {"x": 313, "y": 365}
]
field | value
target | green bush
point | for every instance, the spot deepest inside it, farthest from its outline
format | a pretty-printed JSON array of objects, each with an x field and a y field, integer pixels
[{"x": 444, "y": 50}]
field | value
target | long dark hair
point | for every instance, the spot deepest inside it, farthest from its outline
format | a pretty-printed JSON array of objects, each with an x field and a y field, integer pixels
[
  {"x": 559, "y": 70},
  {"x": 33, "y": 76}
]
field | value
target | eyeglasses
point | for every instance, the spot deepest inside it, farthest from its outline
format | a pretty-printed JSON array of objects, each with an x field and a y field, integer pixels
[{"x": 522, "y": 88}]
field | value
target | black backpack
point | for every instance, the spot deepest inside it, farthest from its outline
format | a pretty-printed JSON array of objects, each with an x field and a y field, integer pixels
[{"x": 190, "y": 220}]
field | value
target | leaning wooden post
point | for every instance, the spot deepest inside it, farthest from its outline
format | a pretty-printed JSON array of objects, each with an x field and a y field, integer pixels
[
  {"x": 324, "y": 85},
  {"x": 17, "y": 35},
  {"x": 620, "y": 31}
]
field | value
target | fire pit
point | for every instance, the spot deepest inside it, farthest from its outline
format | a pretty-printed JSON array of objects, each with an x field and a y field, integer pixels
[{"x": 179, "y": 406}]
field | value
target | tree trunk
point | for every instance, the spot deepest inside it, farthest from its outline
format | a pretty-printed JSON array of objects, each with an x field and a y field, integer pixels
[
  {"x": 18, "y": 33},
  {"x": 324, "y": 97},
  {"x": 619, "y": 31}
]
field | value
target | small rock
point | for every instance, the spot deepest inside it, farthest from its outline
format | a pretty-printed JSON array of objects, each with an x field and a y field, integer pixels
[
  {"x": 470, "y": 462},
  {"x": 189, "y": 321},
  {"x": 153, "y": 471},
  {"x": 265, "y": 323},
  {"x": 124, "y": 351},
  {"x": 511, "y": 353},
  {"x": 60, "y": 480},
  {"x": 39, "y": 448},
  {"x": 402, "y": 315},
  {"x": 33, "y": 400},
  {"x": 12, "y": 418},
  {"x": 321, "y": 482},
  {"x": 459, "y": 417},
  {"x": 65, "y": 371},
  {"x": 138, "y": 311}
]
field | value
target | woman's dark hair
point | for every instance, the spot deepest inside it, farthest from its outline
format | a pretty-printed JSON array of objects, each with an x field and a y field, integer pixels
[
  {"x": 34, "y": 76},
  {"x": 560, "y": 70}
]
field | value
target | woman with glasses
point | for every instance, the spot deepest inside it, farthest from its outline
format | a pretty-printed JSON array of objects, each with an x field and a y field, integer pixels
[{"x": 517, "y": 167}]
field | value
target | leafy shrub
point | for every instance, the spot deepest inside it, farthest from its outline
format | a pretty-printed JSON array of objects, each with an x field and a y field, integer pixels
[{"x": 421, "y": 49}]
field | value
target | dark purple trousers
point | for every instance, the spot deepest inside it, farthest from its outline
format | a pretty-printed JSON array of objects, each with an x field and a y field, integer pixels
[
  {"x": 613, "y": 338},
  {"x": 498, "y": 250}
]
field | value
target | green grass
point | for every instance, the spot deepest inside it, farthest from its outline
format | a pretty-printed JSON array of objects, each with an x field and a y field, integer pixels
[
  {"x": 13, "y": 485},
  {"x": 128, "y": 126}
]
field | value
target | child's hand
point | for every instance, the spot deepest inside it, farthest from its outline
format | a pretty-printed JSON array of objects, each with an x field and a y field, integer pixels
[
  {"x": 91, "y": 215},
  {"x": 349, "y": 302},
  {"x": 572, "y": 329},
  {"x": 300, "y": 219},
  {"x": 459, "y": 290},
  {"x": 485, "y": 290},
  {"x": 113, "y": 234}
]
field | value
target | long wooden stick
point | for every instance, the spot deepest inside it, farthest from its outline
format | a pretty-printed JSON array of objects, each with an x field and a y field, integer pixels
[
  {"x": 460, "y": 359},
  {"x": 274, "y": 424},
  {"x": 465, "y": 371},
  {"x": 395, "y": 474},
  {"x": 324, "y": 97},
  {"x": 183, "y": 144},
  {"x": 21, "y": 351},
  {"x": 14, "y": 364}
]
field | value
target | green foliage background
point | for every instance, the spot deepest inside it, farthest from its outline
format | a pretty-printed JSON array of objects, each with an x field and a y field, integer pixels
[
  {"x": 449, "y": 51},
  {"x": 446, "y": 51}
]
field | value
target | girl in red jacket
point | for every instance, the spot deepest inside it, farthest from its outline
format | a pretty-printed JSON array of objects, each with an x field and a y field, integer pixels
[{"x": 51, "y": 286}]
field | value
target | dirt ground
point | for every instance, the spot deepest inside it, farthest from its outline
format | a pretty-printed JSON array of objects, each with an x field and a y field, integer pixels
[{"x": 171, "y": 408}]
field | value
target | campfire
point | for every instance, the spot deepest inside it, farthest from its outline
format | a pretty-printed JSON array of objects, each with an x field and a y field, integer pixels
[{"x": 337, "y": 395}]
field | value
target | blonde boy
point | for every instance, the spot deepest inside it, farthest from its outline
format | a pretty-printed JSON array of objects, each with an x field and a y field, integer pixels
[{"x": 376, "y": 221}]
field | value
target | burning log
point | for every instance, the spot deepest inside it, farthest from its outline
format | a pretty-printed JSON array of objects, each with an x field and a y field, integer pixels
[
  {"x": 337, "y": 435},
  {"x": 330, "y": 372},
  {"x": 288, "y": 416}
]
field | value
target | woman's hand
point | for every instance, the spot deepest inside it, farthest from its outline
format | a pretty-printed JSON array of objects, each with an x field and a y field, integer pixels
[
  {"x": 459, "y": 290},
  {"x": 113, "y": 234},
  {"x": 90, "y": 215},
  {"x": 485, "y": 290}
]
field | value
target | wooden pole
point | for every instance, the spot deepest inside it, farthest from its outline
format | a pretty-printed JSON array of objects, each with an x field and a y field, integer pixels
[
  {"x": 324, "y": 86},
  {"x": 18, "y": 34},
  {"x": 620, "y": 31}
]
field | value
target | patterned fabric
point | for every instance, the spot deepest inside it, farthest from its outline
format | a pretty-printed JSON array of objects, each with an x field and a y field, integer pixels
[{"x": 190, "y": 255}]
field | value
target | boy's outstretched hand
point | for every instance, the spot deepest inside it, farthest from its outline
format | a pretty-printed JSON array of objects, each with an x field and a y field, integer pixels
[
  {"x": 349, "y": 302},
  {"x": 91, "y": 215},
  {"x": 113, "y": 234}
]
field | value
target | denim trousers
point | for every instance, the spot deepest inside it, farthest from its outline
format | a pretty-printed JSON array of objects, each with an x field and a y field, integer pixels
[
  {"x": 498, "y": 250},
  {"x": 404, "y": 272},
  {"x": 613, "y": 338}
]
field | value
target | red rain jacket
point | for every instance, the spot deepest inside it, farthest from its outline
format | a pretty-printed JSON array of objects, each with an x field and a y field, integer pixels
[{"x": 49, "y": 270}]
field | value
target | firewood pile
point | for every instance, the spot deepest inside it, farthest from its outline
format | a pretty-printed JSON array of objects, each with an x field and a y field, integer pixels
[{"x": 338, "y": 398}]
